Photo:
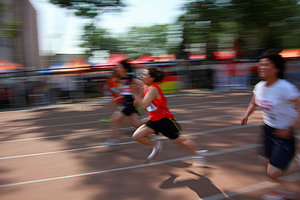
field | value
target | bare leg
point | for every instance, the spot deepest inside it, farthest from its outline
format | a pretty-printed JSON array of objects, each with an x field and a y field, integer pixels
[
  {"x": 141, "y": 135},
  {"x": 274, "y": 173},
  {"x": 134, "y": 120},
  {"x": 180, "y": 142},
  {"x": 116, "y": 118}
]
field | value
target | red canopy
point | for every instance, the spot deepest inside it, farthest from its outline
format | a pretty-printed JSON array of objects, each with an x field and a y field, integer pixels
[
  {"x": 166, "y": 57},
  {"x": 197, "y": 57},
  {"x": 290, "y": 53},
  {"x": 144, "y": 59},
  {"x": 113, "y": 60},
  {"x": 74, "y": 65},
  {"x": 6, "y": 65},
  {"x": 224, "y": 54}
]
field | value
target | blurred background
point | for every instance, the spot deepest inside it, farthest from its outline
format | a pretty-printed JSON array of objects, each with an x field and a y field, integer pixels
[{"x": 62, "y": 51}]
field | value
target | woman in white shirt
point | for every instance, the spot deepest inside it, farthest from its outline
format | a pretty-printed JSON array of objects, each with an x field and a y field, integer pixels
[{"x": 277, "y": 99}]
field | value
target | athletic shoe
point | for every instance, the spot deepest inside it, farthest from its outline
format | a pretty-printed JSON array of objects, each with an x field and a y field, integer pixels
[
  {"x": 280, "y": 195},
  {"x": 200, "y": 159},
  {"x": 156, "y": 149},
  {"x": 111, "y": 142}
]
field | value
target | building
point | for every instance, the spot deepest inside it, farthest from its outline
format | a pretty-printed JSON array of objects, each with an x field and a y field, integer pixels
[{"x": 19, "y": 33}]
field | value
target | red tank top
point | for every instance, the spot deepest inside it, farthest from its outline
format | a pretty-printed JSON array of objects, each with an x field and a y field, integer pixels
[{"x": 158, "y": 108}]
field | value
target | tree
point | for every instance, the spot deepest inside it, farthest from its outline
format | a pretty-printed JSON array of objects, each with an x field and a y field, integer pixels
[
  {"x": 146, "y": 40},
  {"x": 202, "y": 23},
  {"x": 257, "y": 24},
  {"x": 90, "y": 8},
  {"x": 267, "y": 21},
  {"x": 96, "y": 39}
]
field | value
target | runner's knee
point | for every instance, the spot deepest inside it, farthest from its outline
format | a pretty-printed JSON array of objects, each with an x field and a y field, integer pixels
[
  {"x": 273, "y": 172},
  {"x": 136, "y": 137}
]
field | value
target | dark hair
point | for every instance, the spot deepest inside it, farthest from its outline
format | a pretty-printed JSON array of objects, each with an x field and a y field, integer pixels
[
  {"x": 157, "y": 74},
  {"x": 126, "y": 65},
  {"x": 278, "y": 61}
]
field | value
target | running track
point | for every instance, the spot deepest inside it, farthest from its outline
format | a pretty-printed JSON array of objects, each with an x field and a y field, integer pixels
[{"x": 56, "y": 153}]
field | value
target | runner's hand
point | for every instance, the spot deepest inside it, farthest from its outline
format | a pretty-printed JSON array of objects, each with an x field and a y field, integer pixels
[
  {"x": 244, "y": 120},
  {"x": 134, "y": 89}
]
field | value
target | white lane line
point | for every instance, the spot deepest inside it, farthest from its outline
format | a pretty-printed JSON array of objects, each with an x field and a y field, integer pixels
[
  {"x": 57, "y": 136},
  {"x": 251, "y": 188},
  {"x": 92, "y": 132},
  {"x": 99, "y": 114},
  {"x": 224, "y": 151},
  {"x": 255, "y": 187},
  {"x": 123, "y": 143},
  {"x": 204, "y": 103},
  {"x": 90, "y": 122},
  {"x": 222, "y": 129},
  {"x": 69, "y": 117},
  {"x": 105, "y": 101}
]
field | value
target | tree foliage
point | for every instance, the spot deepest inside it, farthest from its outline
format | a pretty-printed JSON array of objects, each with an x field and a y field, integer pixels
[
  {"x": 90, "y": 8},
  {"x": 96, "y": 39},
  {"x": 259, "y": 24},
  {"x": 252, "y": 24},
  {"x": 267, "y": 19},
  {"x": 146, "y": 40}
]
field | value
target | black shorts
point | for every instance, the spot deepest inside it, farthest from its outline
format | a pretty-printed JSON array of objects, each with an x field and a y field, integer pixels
[
  {"x": 129, "y": 109},
  {"x": 166, "y": 126},
  {"x": 280, "y": 152}
]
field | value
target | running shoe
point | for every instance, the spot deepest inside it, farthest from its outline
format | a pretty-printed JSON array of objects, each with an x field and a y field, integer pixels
[
  {"x": 111, "y": 142},
  {"x": 280, "y": 195},
  {"x": 156, "y": 149},
  {"x": 200, "y": 159}
]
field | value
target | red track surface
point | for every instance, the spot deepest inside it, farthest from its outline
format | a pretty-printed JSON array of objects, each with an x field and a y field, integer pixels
[{"x": 56, "y": 153}]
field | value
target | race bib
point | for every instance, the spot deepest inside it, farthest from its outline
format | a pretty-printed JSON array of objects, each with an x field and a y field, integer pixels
[{"x": 151, "y": 107}]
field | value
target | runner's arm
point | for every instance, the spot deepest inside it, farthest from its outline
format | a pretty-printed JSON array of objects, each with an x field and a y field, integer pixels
[
  {"x": 138, "y": 82},
  {"x": 146, "y": 101},
  {"x": 249, "y": 111}
]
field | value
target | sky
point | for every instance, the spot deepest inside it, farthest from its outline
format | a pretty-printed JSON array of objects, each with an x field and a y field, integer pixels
[{"x": 59, "y": 30}]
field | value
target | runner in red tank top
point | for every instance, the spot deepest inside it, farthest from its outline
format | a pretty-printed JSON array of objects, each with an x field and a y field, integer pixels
[
  {"x": 158, "y": 107},
  {"x": 128, "y": 110},
  {"x": 160, "y": 118}
]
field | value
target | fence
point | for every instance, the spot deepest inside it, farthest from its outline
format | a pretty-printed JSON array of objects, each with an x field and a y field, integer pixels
[{"x": 30, "y": 88}]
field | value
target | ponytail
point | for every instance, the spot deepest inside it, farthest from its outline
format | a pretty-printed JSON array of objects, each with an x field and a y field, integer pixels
[{"x": 126, "y": 65}]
